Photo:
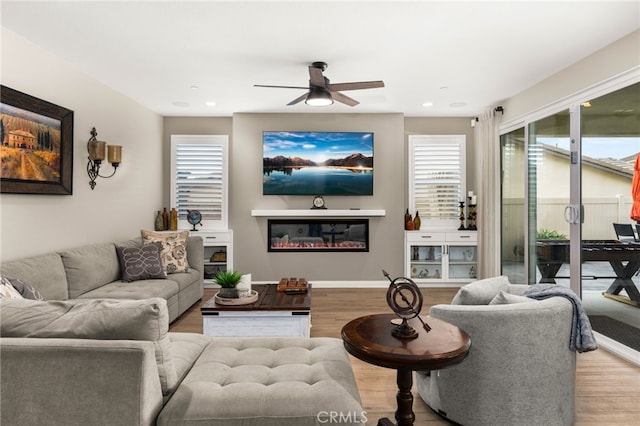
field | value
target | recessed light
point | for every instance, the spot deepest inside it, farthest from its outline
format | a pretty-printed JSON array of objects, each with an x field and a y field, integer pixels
[
  {"x": 458, "y": 104},
  {"x": 210, "y": 103},
  {"x": 427, "y": 104},
  {"x": 194, "y": 87},
  {"x": 443, "y": 87},
  {"x": 180, "y": 104}
]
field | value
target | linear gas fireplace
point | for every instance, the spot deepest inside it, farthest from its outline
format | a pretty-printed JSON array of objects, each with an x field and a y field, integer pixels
[{"x": 286, "y": 235}]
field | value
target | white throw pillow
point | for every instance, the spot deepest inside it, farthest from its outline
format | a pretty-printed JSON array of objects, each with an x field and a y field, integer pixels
[
  {"x": 481, "y": 292},
  {"x": 504, "y": 298}
]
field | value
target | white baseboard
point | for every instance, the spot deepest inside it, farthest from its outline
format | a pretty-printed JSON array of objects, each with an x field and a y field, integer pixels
[
  {"x": 365, "y": 284},
  {"x": 618, "y": 349}
]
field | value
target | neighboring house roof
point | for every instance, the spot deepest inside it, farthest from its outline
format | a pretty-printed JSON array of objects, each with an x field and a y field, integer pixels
[{"x": 611, "y": 165}]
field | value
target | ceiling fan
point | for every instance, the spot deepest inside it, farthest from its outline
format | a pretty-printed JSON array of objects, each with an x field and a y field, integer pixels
[{"x": 322, "y": 92}]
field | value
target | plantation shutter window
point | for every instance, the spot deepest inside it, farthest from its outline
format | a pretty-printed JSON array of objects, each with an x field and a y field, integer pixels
[
  {"x": 199, "y": 178},
  {"x": 437, "y": 178}
]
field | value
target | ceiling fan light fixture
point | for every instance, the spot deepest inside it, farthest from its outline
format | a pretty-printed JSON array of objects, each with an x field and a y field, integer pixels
[{"x": 319, "y": 97}]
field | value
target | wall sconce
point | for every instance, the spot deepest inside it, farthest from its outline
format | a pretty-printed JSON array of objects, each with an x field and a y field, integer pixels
[{"x": 96, "y": 150}]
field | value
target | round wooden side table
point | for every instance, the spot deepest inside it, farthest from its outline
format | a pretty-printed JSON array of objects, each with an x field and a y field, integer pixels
[{"x": 369, "y": 338}]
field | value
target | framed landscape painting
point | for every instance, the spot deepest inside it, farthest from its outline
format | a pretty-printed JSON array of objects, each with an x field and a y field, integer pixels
[{"x": 36, "y": 145}]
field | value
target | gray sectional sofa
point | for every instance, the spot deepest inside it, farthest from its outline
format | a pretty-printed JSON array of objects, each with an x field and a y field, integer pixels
[
  {"x": 98, "y": 352},
  {"x": 113, "y": 362},
  {"x": 93, "y": 272}
]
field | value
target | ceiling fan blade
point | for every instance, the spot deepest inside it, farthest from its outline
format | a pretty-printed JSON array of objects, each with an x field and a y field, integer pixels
[
  {"x": 356, "y": 85},
  {"x": 337, "y": 96},
  {"x": 280, "y": 87},
  {"x": 315, "y": 76},
  {"x": 298, "y": 99}
]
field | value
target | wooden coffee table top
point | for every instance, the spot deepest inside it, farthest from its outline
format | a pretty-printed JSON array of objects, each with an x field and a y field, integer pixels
[
  {"x": 269, "y": 299},
  {"x": 369, "y": 339}
]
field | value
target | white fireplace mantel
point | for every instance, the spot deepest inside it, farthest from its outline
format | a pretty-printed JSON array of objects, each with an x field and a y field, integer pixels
[{"x": 318, "y": 212}]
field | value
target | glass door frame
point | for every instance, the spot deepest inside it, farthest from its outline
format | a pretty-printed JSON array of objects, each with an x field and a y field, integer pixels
[{"x": 573, "y": 103}]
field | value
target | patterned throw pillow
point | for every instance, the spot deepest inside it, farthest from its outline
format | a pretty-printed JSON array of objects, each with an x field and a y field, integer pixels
[
  {"x": 141, "y": 263},
  {"x": 174, "y": 249},
  {"x": 7, "y": 291},
  {"x": 26, "y": 290}
]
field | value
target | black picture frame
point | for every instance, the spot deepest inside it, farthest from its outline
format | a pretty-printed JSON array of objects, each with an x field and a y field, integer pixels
[{"x": 37, "y": 133}]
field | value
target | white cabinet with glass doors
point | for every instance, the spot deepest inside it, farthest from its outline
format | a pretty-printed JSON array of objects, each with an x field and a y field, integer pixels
[
  {"x": 441, "y": 257},
  {"x": 218, "y": 253}
]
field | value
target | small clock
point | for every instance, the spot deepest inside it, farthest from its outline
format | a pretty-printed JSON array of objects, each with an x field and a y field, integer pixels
[{"x": 318, "y": 202}]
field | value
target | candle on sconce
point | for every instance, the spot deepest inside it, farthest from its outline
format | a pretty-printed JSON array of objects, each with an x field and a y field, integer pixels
[
  {"x": 96, "y": 150},
  {"x": 474, "y": 199},
  {"x": 470, "y": 193},
  {"x": 114, "y": 153}
]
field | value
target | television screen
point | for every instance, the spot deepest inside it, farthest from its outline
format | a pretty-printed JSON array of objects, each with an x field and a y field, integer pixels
[{"x": 317, "y": 163}]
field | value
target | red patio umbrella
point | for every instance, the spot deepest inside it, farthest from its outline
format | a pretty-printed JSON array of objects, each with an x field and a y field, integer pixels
[{"x": 635, "y": 191}]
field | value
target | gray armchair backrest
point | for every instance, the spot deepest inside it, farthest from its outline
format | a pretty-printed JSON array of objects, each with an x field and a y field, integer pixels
[{"x": 519, "y": 370}]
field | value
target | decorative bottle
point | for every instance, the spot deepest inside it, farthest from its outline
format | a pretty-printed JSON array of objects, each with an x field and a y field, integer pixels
[
  {"x": 407, "y": 218},
  {"x": 165, "y": 219},
  {"x": 409, "y": 226},
  {"x": 417, "y": 221},
  {"x": 159, "y": 223},
  {"x": 173, "y": 220}
]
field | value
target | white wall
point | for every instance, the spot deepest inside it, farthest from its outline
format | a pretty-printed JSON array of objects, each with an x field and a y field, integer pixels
[
  {"x": 617, "y": 58},
  {"x": 118, "y": 207}
]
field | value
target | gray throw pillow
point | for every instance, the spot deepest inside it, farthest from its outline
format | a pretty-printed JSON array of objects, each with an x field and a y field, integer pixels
[
  {"x": 481, "y": 292},
  {"x": 504, "y": 298},
  {"x": 141, "y": 263},
  {"x": 26, "y": 290}
]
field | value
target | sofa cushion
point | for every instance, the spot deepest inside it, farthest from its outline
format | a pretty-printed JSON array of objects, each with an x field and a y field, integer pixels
[
  {"x": 7, "y": 291},
  {"x": 266, "y": 382},
  {"x": 90, "y": 267},
  {"x": 481, "y": 292},
  {"x": 26, "y": 290},
  {"x": 46, "y": 273},
  {"x": 141, "y": 263},
  {"x": 104, "y": 319},
  {"x": 174, "y": 249},
  {"x": 504, "y": 298}
]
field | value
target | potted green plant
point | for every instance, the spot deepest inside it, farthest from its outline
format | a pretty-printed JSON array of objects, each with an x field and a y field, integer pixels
[{"x": 228, "y": 280}]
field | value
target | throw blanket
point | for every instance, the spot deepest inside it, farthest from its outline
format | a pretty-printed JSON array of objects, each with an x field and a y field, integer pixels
[{"x": 582, "y": 338}]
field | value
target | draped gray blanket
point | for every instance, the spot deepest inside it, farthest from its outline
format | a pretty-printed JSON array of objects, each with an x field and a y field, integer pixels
[{"x": 582, "y": 338}]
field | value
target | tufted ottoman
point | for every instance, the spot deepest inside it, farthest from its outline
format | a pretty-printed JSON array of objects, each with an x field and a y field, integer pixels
[{"x": 267, "y": 382}]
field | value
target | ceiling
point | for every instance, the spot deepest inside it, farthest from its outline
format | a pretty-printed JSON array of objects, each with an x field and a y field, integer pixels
[{"x": 463, "y": 57}]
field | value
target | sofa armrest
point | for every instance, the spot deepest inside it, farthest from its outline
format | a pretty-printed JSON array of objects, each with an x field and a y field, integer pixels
[
  {"x": 195, "y": 253},
  {"x": 78, "y": 381}
]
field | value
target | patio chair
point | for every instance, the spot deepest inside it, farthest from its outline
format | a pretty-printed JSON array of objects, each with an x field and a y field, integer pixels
[{"x": 624, "y": 232}]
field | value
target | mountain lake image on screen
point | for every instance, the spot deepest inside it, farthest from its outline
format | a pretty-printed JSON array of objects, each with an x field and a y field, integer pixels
[{"x": 317, "y": 163}]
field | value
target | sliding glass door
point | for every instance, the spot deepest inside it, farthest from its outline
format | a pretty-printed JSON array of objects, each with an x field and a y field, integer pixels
[
  {"x": 576, "y": 184},
  {"x": 549, "y": 186},
  {"x": 609, "y": 282}
]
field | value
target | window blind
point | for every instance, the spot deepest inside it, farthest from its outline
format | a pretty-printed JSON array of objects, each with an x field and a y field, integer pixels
[
  {"x": 437, "y": 182},
  {"x": 199, "y": 178}
]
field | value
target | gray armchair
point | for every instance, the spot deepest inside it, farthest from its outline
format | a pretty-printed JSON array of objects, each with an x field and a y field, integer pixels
[{"x": 519, "y": 371}]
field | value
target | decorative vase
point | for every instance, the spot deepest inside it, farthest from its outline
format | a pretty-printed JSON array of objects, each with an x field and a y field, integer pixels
[
  {"x": 407, "y": 218},
  {"x": 158, "y": 223},
  {"x": 173, "y": 220},
  {"x": 165, "y": 219},
  {"x": 417, "y": 222},
  {"x": 228, "y": 292},
  {"x": 409, "y": 226}
]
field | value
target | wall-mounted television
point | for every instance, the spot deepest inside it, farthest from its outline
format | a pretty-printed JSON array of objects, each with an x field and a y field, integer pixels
[{"x": 317, "y": 163}]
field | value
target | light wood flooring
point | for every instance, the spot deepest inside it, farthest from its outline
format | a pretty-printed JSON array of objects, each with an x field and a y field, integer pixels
[{"x": 607, "y": 387}]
